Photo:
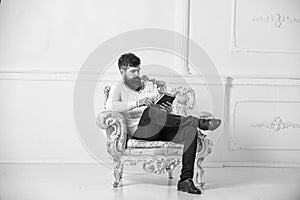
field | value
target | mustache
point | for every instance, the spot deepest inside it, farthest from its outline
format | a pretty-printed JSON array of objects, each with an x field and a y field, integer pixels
[{"x": 137, "y": 79}]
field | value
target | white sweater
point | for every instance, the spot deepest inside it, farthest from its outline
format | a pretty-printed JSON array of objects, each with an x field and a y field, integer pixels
[{"x": 125, "y": 100}]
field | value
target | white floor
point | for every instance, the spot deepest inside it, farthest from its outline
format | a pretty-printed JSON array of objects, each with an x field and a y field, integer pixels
[{"x": 41, "y": 182}]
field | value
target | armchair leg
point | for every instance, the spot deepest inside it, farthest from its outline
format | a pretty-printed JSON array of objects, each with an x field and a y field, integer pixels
[
  {"x": 117, "y": 171},
  {"x": 199, "y": 172},
  {"x": 170, "y": 174},
  {"x": 121, "y": 170}
]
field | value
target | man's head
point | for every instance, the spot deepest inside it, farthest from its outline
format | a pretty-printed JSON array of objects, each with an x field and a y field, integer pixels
[{"x": 129, "y": 66}]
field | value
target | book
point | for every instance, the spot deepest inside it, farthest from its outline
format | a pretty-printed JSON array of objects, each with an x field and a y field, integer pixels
[{"x": 164, "y": 98}]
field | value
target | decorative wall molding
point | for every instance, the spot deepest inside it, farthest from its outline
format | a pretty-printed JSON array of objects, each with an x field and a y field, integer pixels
[
  {"x": 276, "y": 124},
  {"x": 266, "y": 81},
  {"x": 233, "y": 142},
  {"x": 236, "y": 48},
  {"x": 276, "y": 19},
  {"x": 183, "y": 21},
  {"x": 232, "y": 138},
  {"x": 71, "y": 76},
  {"x": 42, "y": 75}
]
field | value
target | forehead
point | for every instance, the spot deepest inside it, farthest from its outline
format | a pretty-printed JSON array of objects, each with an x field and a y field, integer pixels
[{"x": 134, "y": 68}]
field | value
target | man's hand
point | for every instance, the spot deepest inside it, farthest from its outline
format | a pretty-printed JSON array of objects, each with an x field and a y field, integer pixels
[
  {"x": 166, "y": 106},
  {"x": 145, "y": 102}
]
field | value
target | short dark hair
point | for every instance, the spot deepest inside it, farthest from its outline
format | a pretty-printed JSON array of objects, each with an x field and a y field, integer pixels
[{"x": 128, "y": 60}]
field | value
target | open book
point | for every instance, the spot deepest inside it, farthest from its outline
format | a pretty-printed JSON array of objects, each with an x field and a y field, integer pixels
[{"x": 164, "y": 98}]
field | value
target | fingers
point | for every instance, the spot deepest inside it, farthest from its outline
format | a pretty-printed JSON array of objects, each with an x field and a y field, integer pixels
[
  {"x": 148, "y": 102},
  {"x": 166, "y": 107},
  {"x": 170, "y": 104},
  {"x": 163, "y": 108}
]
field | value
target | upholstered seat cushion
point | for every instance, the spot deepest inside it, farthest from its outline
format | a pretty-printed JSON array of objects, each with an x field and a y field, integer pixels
[
  {"x": 144, "y": 152},
  {"x": 133, "y": 143}
]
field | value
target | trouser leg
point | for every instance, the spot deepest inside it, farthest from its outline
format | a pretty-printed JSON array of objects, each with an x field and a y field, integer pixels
[
  {"x": 188, "y": 135},
  {"x": 156, "y": 124},
  {"x": 154, "y": 119},
  {"x": 162, "y": 117}
]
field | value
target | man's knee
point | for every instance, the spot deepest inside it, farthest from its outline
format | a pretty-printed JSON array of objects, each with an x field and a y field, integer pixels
[
  {"x": 156, "y": 113},
  {"x": 191, "y": 131}
]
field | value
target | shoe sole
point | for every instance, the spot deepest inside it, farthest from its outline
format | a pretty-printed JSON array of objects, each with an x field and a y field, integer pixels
[{"x": 183, "y": 190}]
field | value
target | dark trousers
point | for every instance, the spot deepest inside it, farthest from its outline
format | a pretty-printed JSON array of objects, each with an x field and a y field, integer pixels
[{"x": 158, "y": 125}]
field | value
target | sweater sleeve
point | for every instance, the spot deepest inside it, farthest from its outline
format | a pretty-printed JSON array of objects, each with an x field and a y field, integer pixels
[{"x": 115, "y": 103}]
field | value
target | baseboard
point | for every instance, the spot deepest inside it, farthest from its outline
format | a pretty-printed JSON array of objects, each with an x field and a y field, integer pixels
[
  {"x": 260, "y": 164},
  {"x": 40, "y": 162},
  {"x": 212, "y": 164},
  {"x": 79, "y": 162},
  {"x": 205, "y": 164}
]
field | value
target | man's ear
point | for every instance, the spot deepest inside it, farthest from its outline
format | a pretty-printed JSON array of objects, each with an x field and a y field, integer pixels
[{"x": 122, "y": 70}]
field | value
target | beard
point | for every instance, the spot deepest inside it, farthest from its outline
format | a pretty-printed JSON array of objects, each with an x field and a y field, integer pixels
[{"x": 133, "y": 83}]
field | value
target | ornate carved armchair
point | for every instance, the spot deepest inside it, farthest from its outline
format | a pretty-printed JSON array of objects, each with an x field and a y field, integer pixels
[{"x": 156, "y": 157}]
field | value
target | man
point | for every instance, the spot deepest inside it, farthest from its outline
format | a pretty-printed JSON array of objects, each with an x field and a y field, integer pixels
[{"x": 134, "y": 99}]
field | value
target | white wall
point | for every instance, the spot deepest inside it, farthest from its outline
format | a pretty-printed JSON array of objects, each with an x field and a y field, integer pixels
[
  {"x": 262, "y": 58},
  {"x": 43, "y": 44},
  {"x": 42, "y": 47},
  {"x": 213, "y": 27},
  {"x": 59, "y": 35}
]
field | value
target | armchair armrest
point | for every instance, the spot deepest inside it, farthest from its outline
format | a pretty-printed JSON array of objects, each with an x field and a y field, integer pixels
[
  {"x": 205, "y": 145},
  {"x": 116, "y": 131},
  {"x": 204, "y": 115}
]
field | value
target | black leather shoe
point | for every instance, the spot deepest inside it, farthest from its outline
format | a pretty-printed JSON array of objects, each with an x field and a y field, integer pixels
[
  {"x": 188, "y": 186},
  {"x": 209, "y": 124}
]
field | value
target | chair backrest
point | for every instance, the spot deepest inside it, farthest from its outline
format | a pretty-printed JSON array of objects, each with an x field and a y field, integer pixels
[
  {"x": 106, "y": 91},
  {"x": 185, "y": 100}
]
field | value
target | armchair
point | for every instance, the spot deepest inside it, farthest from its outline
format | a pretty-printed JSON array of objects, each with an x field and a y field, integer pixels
[{"x": 156, "y": 156}]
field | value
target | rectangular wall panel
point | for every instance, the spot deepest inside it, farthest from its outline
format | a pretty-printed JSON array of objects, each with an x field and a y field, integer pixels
[
  {"x": 265, "y": 125},
  {"x": 266, "y": 26}
]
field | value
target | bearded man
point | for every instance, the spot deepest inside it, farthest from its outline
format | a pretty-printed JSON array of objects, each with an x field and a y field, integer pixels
[{"x": 145, "y": 120}]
